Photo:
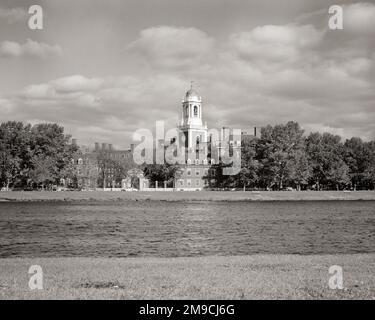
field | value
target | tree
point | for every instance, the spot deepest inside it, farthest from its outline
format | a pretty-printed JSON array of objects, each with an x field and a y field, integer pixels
[
  {"x": 23, "y": 147},
  {"x": 356, "y": 157},
  {"x": 325, "y": 152},
  {"x": 338, "y": 174},
  {"x": 49, "y": 140},
  {"x": 370, "y": 167},
  {"x": 249, "y": 165},
  {"x": 14, "y": 152},
  {"x": 162, "y": 172},
  {"x": 300, "y": 169},
  {"x": 276, "y": 151},
  {"x": 43, "y": 171}
]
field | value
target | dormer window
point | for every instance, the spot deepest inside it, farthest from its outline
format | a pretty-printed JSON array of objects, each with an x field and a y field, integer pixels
[{"x": 195, "y": 111}]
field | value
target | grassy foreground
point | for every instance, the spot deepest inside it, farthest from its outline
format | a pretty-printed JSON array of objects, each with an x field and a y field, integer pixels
[
  {"x": 236, "y": 277},
  {"x": 186, "y": 196}
]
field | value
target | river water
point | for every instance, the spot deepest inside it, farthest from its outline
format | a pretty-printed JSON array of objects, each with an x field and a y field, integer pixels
[{"x": 172, "y": 229}]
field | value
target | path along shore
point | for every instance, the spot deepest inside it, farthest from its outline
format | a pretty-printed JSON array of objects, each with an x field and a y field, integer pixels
[{"x": 186, "y": 196}]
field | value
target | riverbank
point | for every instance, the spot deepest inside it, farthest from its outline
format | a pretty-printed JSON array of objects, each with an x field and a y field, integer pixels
[
  {"x": 186, "y": 196},
  {"x": 234, "y": 277}
]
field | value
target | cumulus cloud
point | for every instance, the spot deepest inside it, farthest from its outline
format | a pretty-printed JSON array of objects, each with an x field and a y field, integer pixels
[
  {"x": 167, "y": 46},
  {"x": 12, "y": 15},
  {"x": 275, "y": 43},
  {"x": 113, "y": 105},
  {"x": 29, "y": 49},
  {"x": 265, "y": 75}
]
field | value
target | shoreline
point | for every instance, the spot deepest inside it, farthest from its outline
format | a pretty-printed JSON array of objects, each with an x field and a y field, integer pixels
[
  {"x": 225, "y": 196},
  {"x": 270, "y": 276}
]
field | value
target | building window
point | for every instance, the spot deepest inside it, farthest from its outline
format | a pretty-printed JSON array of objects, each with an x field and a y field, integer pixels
[
  {"x": 181, "y": 182},
  {"x": 197, "y": 182},
  {"x": 195, "y": 111},
  {"x": 206, "y": 172},
  {"x": 188, "y": 183},
  {"x": 188, "y": 172},
  {"x": 197, "y": 172}
]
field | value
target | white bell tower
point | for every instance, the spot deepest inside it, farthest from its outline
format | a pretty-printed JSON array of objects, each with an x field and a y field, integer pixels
[
  {"x": 191, "y": 122},
  {"x": 192, "y": 108}
]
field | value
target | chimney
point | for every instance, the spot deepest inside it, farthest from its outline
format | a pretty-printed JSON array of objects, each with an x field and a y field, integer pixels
[
  {"x": 257, "y": 132},
  {"x": 97, "y": 146}
]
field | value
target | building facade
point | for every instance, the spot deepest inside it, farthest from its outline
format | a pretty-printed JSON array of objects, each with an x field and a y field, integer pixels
[
  {"x": 204, "y": 150},
  {"x": 101, "y": 167},
  {"x": 194, "y": 172}
]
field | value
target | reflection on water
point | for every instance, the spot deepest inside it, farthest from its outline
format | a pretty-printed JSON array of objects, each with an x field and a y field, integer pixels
[{"x": 185, "y": 228}]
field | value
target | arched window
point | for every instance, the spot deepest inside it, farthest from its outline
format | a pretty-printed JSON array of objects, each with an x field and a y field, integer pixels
[{"x": 195, "y": 111}]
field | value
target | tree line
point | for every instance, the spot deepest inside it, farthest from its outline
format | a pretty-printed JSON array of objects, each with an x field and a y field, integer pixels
[
  {"x": 32, "y": 156},
  {"x": 284, "y": 157}
]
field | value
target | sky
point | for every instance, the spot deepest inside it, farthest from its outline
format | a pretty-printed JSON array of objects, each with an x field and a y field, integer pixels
[{"x": 104, "y": 69}]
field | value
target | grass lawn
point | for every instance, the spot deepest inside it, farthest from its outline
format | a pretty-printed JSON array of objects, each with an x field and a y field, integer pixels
[
  {"x": 235, "y": 277},
  {"x": 186, "y": 196}
]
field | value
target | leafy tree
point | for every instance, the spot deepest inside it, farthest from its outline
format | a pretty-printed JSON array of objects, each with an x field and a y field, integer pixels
[
  {"x": 357, "y": 157},
  {"x": 162, "y": 172},
  {"x": 248, "y": 175},
  {"x": 14, "y": 152},
  {"x": 277, "y": 150},
  {"x": 43, "y": 171},
  {"x": 300, "y": 169},
  {"x": 325, "y": 152},
  {"x": 49, "y": 140},
  {"x": 338, "y": 174},
  {"x": 370, "y": 167},
  {"x": 22, "y": 148}
]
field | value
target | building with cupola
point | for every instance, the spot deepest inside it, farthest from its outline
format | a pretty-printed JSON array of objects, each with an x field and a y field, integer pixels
[
  {"x": 204, "y": 148},
  {"x": 195, "y": 172},
  {"x": 203, "y": 155}
]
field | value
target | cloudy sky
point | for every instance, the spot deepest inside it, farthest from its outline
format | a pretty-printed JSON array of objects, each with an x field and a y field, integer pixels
[{"x": 103, "y": 69}]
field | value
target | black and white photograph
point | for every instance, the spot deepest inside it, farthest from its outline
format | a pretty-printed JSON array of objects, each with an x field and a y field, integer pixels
[{"x": 201, "y": 150}]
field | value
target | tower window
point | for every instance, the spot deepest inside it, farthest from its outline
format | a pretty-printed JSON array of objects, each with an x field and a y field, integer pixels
[{"x": 195, "y": 111}]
